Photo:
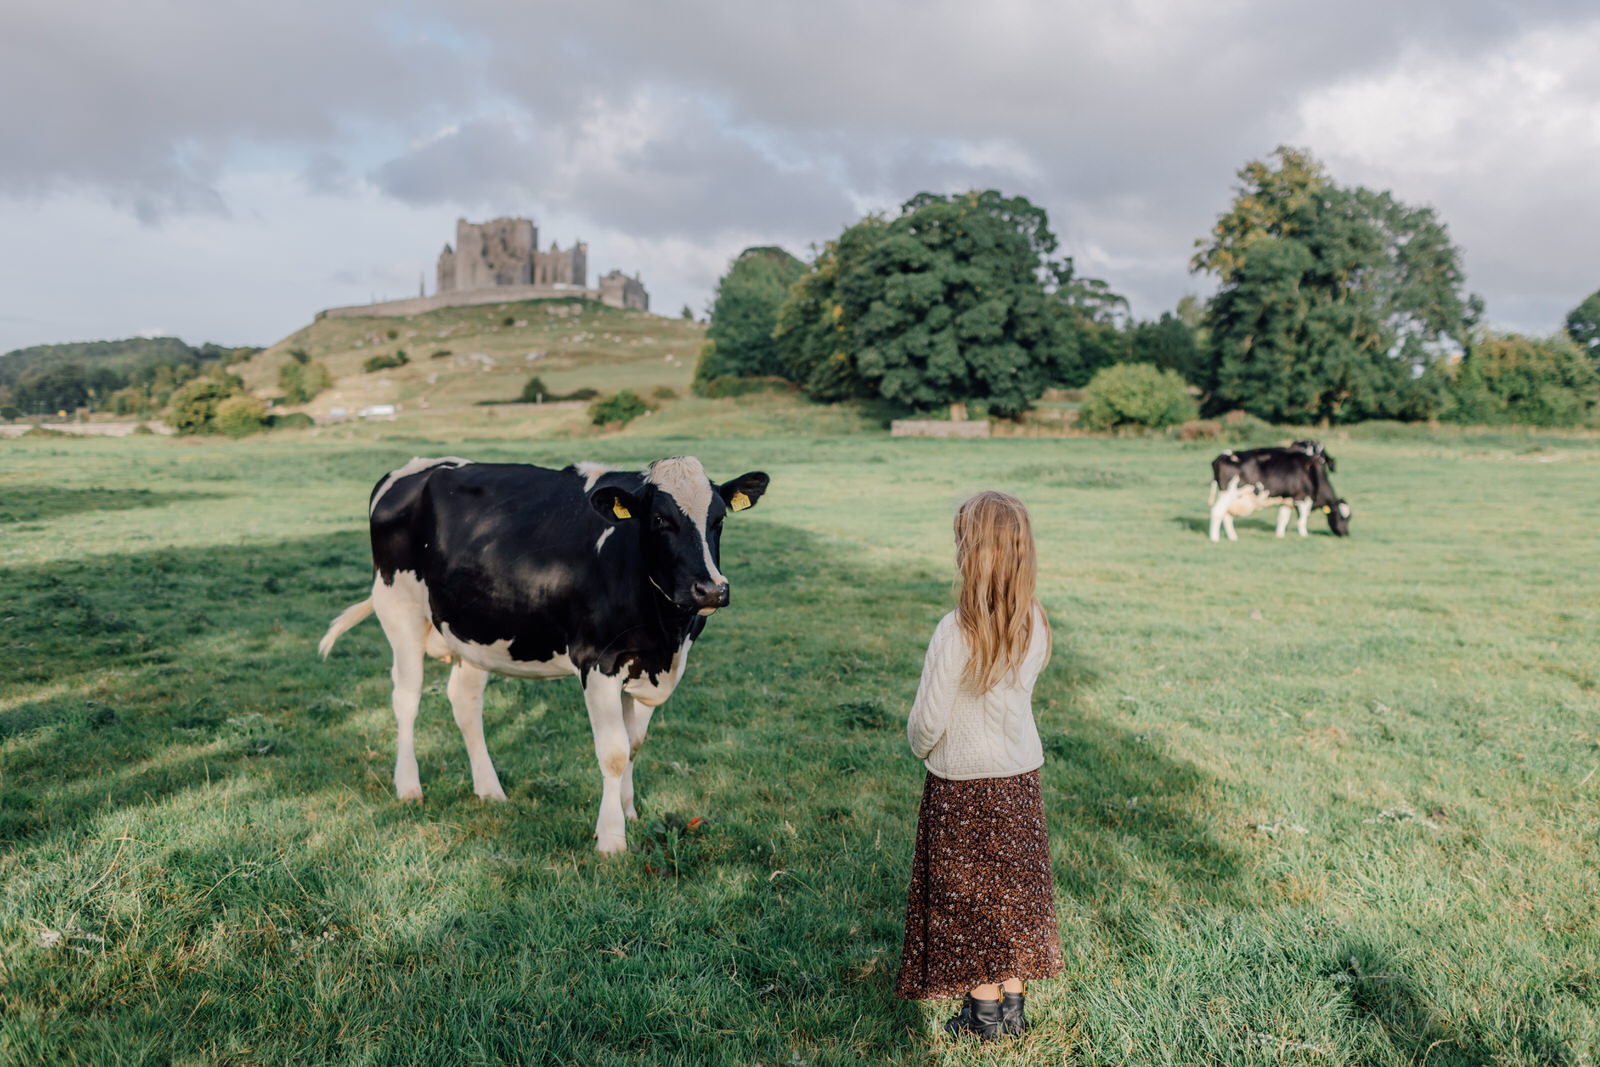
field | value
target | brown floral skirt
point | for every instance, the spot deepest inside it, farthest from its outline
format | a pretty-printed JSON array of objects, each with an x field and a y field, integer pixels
[{"x": 981, "y": 907}]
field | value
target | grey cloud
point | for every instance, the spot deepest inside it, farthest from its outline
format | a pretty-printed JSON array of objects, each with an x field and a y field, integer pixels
[
  {"x": 147, "y": 107},
  {"x": 689, "y": 179},
  {"x": 775, "y": 119}
]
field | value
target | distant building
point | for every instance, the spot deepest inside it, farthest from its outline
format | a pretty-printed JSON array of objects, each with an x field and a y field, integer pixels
[
  {"x": 499, "y": 260},
  {"x": 621, "y": 291},
  {"x": 506, "y": 252}
]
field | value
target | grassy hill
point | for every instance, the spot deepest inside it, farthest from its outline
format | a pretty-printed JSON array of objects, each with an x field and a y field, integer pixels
[{"x": 460, "y": 356}]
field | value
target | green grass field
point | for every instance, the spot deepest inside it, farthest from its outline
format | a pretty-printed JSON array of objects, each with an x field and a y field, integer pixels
[{"x": 1311, "y": 801}]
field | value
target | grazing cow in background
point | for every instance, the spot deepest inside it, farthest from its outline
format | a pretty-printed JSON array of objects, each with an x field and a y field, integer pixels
[
  {"x": 536, "y": 573},
  {"x": 1246, "y": 481}
]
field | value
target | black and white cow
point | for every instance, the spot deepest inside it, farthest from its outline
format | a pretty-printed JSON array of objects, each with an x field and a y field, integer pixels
[
  {"x": 1246, "y": 481},
  {"x": 536, "y": 573}
]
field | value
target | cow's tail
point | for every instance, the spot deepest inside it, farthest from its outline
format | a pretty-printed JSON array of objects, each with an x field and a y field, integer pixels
[{"x": 348, "y": 618}]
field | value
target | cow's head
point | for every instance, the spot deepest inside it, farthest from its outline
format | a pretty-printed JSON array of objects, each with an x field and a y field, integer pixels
[
  {"x": 1338, "y": 518},
  {"x": 679, "y": 515}
]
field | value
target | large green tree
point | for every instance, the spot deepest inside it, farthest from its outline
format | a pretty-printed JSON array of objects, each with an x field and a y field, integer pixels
[
  {"x": 814, "y": 332},
  {"x": 1583, "y": 325},
  {"x": 1168, "y": 343},
  {"x": 739, "y": 342},
  {"x": 952, "y": 300},
  {"x": 1333, "y": 301}
]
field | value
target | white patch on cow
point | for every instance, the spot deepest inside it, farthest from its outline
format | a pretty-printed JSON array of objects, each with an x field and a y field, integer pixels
[
  {"x": 684, "y": 479},
  {"x": 601, "y": 543},
  {"x": 497, "y": 657},
  {"x": 466, "y": 703},
  {"x": 402, "y": 608},
  {"x": 602, "y": 693},
  {"x": 417, "y": 463},
  {"x": 1241, "y": 500},
  {"x": 1344, "y": 510},
  {"x": 591, "y": 473},
  {"x": 654, "y": 691}
]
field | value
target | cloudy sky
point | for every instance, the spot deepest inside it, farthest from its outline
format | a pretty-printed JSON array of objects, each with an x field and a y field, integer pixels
[{"x": 222, "y": 170}]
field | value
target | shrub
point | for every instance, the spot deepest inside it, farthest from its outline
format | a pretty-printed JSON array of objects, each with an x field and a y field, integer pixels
[
  {"x": 241, "y": 415},
  {"x": 1136, "y": 394},
  {"x": 508, "y": 321},
  {"x": 535, "y": 391},
  {"x": 392, "y": 334},
  {"x": 664, "y": 392},
  {"x": 582, "y": 394},
  {"x": 10, "y": 412},
  {"x": 302, "y": 379},
  {"x": 439, "y": 353},
  {"x": 1508, "y": 378},
  {"x": 300, "y": 355},
  {"x": 131, "y": 400},
  {"x": 298, "y": 420},
  {"x": 383, "y": 362},
  {"x": 622, "y": 407},
  {"x": 195, "y": 404}
]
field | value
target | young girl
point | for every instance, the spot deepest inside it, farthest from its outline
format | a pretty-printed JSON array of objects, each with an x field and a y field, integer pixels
[{"x": 980, "y": 914}]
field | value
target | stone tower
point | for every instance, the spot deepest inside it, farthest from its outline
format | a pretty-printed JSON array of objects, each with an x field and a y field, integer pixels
[{"x": 504, "y": 252}]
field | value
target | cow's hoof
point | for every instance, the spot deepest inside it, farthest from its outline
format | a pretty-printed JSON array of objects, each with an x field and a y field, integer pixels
[
  {"x": 611, "y": 847},
  {"x": 495, "y": 794},
  {"x": 630, "y": 813},
  {"x": 406, "y": 795}
]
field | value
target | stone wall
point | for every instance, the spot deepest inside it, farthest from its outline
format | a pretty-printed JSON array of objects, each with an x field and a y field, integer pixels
[{"x": 461, "y": 298}]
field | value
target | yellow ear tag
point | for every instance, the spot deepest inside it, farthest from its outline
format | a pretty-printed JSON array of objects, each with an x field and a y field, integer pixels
[
  {"x": 1327, "y": 510},
  {"x": 619, "y": 511},
  {"x": 739, "y": 502}
]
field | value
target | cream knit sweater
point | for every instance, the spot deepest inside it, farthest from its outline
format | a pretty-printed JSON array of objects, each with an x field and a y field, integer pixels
[{"x": 959, "y": 733}]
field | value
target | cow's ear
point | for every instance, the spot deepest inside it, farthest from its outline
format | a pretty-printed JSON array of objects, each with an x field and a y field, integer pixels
[
  {"x": 615, "y": 505},
  {"x": 743, "y": 491}
]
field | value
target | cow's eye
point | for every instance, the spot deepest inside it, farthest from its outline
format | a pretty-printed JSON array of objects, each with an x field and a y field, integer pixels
[{"x": 661, "y": 522}]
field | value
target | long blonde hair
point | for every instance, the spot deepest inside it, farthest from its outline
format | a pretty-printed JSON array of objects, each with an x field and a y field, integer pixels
[{"x": 997, "y": 566}]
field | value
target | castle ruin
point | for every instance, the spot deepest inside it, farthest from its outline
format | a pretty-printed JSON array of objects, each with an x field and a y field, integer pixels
[
  {"x": 506, "y": 252},
  {"x": 500, "y": 261}
]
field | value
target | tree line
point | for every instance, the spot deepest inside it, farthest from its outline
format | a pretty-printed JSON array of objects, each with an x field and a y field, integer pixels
[
  {"x": 1334, "y": 304},
  {"x": 135, "y": 376}
]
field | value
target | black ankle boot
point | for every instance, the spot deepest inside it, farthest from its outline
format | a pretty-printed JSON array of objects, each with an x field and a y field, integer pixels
[
  {"x": 981, "y": 1018},
  {"x": 1012, "y": 1018}
]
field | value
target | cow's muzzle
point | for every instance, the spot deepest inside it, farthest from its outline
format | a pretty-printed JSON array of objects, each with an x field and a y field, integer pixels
[{"x": 709, "y": 596}]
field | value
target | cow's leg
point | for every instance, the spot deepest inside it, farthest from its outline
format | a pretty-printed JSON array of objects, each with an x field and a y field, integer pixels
[
  {"x": 1219, "y": 514},
  {"x": 466, "y": 701},
  {"x": 636, "y": 720},
  {"x": 407, "y": 631},
  {"x": 1304, "y": 508},
  {"x": 1283, "y": 519},
  {"x": 604, "y": 697}
]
